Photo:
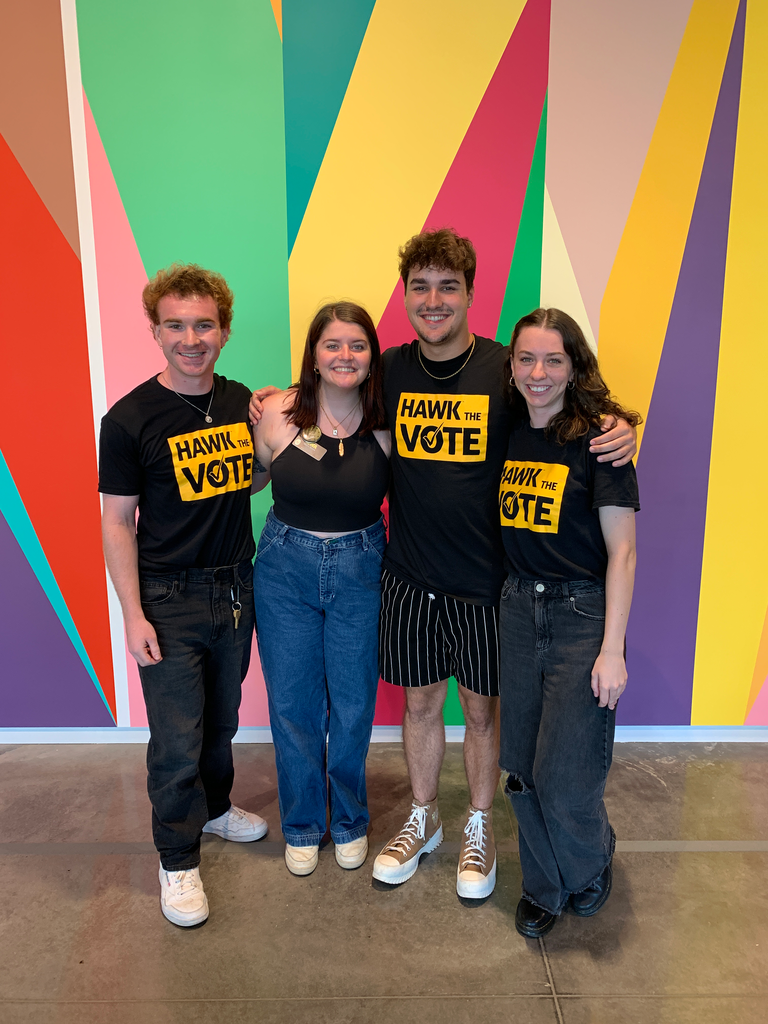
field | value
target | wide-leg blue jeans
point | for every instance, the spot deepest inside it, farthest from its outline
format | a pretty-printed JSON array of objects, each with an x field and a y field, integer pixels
[
  {"x": 192, "y": 698},
  {"x": 556, "y": 743},
  {"x": 317, "y": 614}
]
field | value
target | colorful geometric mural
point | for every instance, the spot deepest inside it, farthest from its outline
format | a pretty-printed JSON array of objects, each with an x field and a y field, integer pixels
[{"x": 604, "y": 162}]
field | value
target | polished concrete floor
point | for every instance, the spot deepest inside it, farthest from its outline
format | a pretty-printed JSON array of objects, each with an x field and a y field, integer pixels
[{"x": 684, "y": 937}]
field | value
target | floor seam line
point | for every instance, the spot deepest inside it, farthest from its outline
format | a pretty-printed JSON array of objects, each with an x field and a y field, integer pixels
[{"x": 550, "y": 976}]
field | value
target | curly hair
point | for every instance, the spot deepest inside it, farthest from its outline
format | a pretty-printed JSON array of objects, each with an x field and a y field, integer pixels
[
  {"x": 185, "y": 280},
  {"x": 304, "y": 411},
  {"x": 589, "y": 400},
  {"x": 443, "y": 249}
]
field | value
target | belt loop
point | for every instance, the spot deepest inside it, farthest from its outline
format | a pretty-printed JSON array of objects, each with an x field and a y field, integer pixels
[
  {"x": 365, "y": 541},
  {"x": 516, "y": 585},
  {"x": 182, "y": 581}
]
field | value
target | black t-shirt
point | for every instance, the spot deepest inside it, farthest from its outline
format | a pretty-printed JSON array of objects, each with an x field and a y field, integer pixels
[
  {"x": 335, "y": 493},
  {"x": 193, "y": 479},
  {"x": 449, "y": 438},
  {"x": 548, "y": 501}
]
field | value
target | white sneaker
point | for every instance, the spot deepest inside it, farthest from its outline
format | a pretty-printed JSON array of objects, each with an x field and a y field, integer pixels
[
  {"x": 237, "y": 825},
  {"x": 475, "y": 877},
  {"x": 182, "y": 899},
  {"x": 301, "y": 860},
  {"x": 352, "y": 855}
]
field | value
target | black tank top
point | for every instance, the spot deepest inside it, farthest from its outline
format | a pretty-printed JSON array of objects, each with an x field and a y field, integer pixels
[{"x": 336, "y": 494}]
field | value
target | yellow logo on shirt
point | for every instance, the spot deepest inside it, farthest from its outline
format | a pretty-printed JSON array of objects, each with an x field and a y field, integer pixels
[
  {"x": 212, "y": 461},
  {"x": 531, "y": 494},
  {"x": 443, "y": 428}
]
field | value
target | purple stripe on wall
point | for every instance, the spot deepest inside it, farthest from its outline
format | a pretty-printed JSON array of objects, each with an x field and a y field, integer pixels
[
  {"x": 43, "y": 682},
  {"x": 673, "y": 466}
]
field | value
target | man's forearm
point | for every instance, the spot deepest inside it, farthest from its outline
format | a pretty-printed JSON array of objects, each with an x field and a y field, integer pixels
[{"x": 122, "y": 556}]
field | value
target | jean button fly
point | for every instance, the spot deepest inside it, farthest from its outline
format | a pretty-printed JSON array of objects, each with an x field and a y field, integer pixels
[{"x": 540, "y": 588}]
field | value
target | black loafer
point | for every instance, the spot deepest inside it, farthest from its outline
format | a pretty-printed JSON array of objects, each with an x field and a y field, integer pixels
[
  {"x": 531, "y": 921},
  {"x": 589, "y": 900}
]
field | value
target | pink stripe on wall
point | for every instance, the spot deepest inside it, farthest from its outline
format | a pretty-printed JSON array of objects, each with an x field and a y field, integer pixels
[
  {"x": 130, "y": 353},
  {"x": 758, "y": 714},
  {"x": 609, "y": 68},
  {"x": 253, "y": 709}
]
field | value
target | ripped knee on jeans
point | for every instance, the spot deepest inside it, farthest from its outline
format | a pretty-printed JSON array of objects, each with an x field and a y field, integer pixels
[{"x": 515, "y": 784}]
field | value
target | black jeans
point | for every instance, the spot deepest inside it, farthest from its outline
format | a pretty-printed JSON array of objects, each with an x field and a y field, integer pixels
[
  {"x": 556, "y": 742},
  {"x": 192, "y": 699}
]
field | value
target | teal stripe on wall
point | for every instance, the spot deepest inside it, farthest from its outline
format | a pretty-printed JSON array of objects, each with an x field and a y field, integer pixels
[{"x": 320, "y": 47}]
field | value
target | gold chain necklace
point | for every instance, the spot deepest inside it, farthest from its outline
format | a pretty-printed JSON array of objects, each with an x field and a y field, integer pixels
[
  {"x": 471, "y": 350},
  {"x": 340, "y": 423}
]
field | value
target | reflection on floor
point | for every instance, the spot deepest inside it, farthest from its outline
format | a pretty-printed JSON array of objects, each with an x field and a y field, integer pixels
[{"x": 683, "y": 938}]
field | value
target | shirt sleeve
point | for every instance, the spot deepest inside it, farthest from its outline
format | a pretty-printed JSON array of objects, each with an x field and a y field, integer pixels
[
  {"x": 614, "y": 486},
  {"x": 119, "y": 463}
]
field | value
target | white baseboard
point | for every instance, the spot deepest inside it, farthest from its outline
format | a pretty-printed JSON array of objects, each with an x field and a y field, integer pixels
[{"x": 394, "y": 734}]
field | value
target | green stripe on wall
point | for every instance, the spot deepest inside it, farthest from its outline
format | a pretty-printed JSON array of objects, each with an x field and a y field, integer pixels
[
  {"x": 523, "y": 292},
  {"x": 188, "y": 99}
]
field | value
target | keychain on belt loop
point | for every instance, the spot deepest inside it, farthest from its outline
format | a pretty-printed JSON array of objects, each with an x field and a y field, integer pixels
[{"x": 236, "y": 606}]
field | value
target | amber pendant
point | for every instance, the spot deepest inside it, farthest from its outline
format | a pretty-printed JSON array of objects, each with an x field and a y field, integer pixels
[{"x": 341, "y": 447}]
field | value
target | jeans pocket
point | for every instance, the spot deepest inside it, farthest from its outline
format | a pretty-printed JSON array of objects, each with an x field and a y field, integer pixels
[
  {"x": 265, "y": 543},
  {"x": 155, "y": 592},
  {"x": 589, "y": 605},
  {"x": 245, "y": 579}
]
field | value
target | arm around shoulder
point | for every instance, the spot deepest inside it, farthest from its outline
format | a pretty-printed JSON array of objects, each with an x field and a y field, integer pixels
[{"x": 270, "y": 436}]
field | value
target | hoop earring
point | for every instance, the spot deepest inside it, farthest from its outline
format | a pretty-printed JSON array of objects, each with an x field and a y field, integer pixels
[
  {"x": 571, "y": 385},
  {"x": 369, "y": 375},
  {"x": 317, "y": 371},
  {"x": 512, "y": 381}
]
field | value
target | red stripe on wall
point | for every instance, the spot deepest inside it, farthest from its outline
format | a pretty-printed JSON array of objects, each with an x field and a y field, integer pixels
[{"x": 46, "y": 417}]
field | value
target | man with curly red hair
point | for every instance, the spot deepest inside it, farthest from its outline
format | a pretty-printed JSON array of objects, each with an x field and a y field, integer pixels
[{"x": 178, "y": 450}]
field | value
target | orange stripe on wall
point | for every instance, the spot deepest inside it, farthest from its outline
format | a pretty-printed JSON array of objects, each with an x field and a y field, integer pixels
[{"x": 277, "y": 7}]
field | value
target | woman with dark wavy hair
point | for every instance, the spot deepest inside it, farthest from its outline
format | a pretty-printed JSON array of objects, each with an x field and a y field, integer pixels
[
  {"x": 317, "y": 581},
  {"x": 568, "y": 524}
]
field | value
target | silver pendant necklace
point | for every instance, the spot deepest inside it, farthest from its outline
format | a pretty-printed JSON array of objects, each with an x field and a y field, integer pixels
[{"x": 207, "y": 413}]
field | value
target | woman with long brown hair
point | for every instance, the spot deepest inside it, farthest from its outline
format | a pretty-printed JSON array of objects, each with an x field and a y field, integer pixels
[
  {"x": 317, "y": 582},
  {"x": 568, "y": 525}
]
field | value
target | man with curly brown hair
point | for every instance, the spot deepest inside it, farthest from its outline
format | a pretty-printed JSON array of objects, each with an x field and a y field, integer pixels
[{"x": 178, "y": 450}]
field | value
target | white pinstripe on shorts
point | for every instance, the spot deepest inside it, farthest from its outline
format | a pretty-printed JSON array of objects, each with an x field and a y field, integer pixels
[{"x": 425, "y": 637}]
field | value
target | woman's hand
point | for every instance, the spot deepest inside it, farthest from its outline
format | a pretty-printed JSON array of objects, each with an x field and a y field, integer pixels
[
  {"x": 609, "y": 678},
  {"x": 255, "y": 406},
  {"x": 618, "y": 443}
]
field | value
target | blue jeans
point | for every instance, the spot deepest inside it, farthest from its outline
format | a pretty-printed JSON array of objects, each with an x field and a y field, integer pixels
[
  {"x": 317, "y": 615},
  {"x": 192, "y": 699},
  {"x": 556, "y": 743}
]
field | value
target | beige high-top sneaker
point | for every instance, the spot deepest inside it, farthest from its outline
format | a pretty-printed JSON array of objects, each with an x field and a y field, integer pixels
[{"x": 422, "y": 833}]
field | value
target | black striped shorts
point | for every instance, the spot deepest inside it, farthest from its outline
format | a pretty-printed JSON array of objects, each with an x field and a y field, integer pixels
[{"x": 425, "y": 637}]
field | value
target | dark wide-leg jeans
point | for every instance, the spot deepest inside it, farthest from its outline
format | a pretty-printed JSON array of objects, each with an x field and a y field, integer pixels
[
  {"x": 192, "y": 699},
  {"x": 556, "y": 743}
]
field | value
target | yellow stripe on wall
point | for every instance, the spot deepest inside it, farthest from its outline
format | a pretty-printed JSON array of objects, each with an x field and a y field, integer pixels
[
  {"x": 734, "y": 590},
  {"x": 420, "y": 75},
  {"x": 559, "y": 287},
  {"x": 638, "y": 299}
]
